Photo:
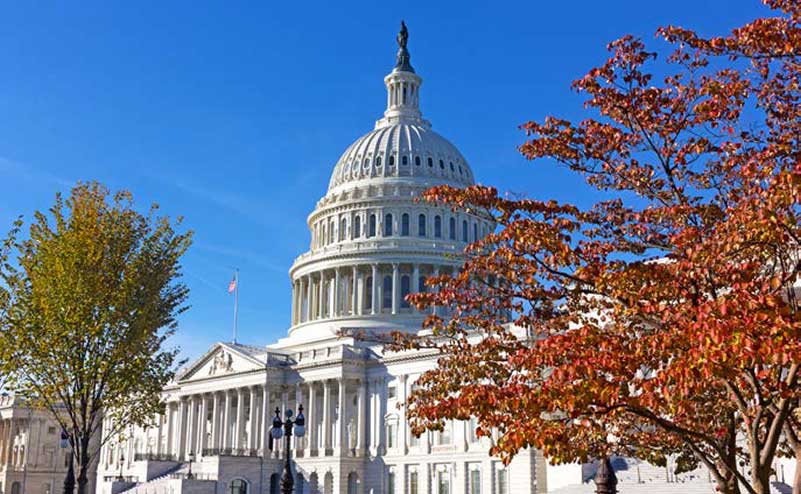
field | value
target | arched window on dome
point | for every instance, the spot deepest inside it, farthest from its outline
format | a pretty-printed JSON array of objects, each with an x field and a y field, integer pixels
[
  {"x": 323, "y": 235},
  {"x": 464, "y": 230},
  {"x": 378, "y": 161},
  {"x": 332, "y": 232},
  {"x": 343, "y": 228},
  {"x": 357, "y": 227},
  {"x": 452, "y": 228},
  {"x": 416, "y": 161},
  {"x": 452, "y": 169},
  {"x": 371, "y": 226},
  {"x": 405, "y": 288},
  {"x": 441, "y": 165},
  {"x": 388, "y": 225},
  {"x": 405, "y": 225},
  {"x": 430, "y": 162},
  {"x": 386, "y": 299},
  {"x": 437, "y": 226},
  {"x": 368, "y": 293},
  {"x": 421, "y": 225},
  {"x": 391, "y": 160},
  {"x": 405, "y": 160}
]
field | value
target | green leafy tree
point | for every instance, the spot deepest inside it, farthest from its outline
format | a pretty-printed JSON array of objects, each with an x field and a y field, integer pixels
[{"x": 87, "y": 301}]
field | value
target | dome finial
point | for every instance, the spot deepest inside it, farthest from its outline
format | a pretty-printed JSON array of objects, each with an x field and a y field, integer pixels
[{"x": 403, "y": 54}]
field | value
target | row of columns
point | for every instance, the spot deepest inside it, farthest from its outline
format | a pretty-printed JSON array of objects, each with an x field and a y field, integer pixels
[
  {"x": 8, "y": 433},
  {"x": 314, "y": 299}
]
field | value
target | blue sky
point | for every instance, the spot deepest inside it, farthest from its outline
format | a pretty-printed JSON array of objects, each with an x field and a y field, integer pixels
[{"x": 233, "y": 114}]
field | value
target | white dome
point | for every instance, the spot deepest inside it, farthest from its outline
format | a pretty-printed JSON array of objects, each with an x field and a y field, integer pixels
[{"x": 402, "y": 150}]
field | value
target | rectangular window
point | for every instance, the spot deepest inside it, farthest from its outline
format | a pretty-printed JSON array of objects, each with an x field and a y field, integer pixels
[
  {"x": 392, "y": 392},
  {"x": 51, "y": 430},
  {"x": 501, "y": 480},
  {"x": 391, "y": 481},
  {"x": 444, "y": 436},
  {"x": 443, "y": 482},
  {"x": 392, "y": 431},
  {"x": 472, "y": 425},
  {"x": 474, "y": 478},
  {"x": 413, "y": 482}
]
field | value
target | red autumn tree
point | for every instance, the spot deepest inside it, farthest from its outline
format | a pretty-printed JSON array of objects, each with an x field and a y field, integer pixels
[{"x": 663, "y": 320}]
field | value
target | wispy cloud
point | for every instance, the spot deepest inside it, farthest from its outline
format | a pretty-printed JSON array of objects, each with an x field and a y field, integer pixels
[
  {"x": 255, "y": 258},
  {"x": 29, "y": 172}
]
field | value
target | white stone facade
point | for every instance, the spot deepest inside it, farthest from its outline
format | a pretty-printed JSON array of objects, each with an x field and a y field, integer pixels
[{"x": 32, "y": 460}]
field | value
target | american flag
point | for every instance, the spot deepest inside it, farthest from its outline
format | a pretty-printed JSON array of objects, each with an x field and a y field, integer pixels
[{"x": 232, "y": 286}]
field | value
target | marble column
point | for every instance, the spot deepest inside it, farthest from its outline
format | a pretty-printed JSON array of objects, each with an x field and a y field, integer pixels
[
  {"x": 170, "y": 429},
  {"x": 374, "y": 290},
  {"x": 373, "y": 397},
  {"x": 335, "y": 309},
  {"x": 395, "y": 288},
  {"x": 215, "y": 421},
  {"x": 226, "y": 421},
  {"x": 311, "y": 421},
  {"x": 189, "y": 428},
  {"x": 415, "y": 284},
  {"x": 361, "y": 410},
  {"x": 202, "y": 429},
  {"x": 326, "y": 415},
  {"x": 240, "y": 418},
  {"x": 322, "y": 296},
  {"x": 359, "y": 293},
  {"x": 181, "y": 430},
  {"x": 307, "y": 308},
  {"x": 403, "y": 426},
  {"x": 435, "y": 273},
  {"x": 254, "y": 420},
  {"x": 298, "y": 445},
  {"x": 354, "y": 290},
  {"x": 342, "y": 419},
  {"x": 266, "y": 422}
]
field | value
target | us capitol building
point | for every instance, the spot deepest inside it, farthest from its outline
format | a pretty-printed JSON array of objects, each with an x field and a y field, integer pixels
[{"x": 372, "y": 243}]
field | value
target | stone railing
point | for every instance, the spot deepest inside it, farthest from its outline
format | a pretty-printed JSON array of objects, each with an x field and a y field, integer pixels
[
  {"x": 246, "y": 452},
  {"x": 332, "y": 352},
  {"x": 382, "y": 243},
  {"x": 154, "y": 457}
]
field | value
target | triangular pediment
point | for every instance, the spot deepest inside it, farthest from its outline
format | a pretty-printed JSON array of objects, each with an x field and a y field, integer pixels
[{"x": 223, "y": 359}]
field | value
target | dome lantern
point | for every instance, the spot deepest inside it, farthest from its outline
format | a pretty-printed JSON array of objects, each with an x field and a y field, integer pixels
[{"x": 403, "y": 89}]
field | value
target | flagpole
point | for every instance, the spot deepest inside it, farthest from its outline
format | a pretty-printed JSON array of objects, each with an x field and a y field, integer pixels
[{"x": 236, "y": 301}]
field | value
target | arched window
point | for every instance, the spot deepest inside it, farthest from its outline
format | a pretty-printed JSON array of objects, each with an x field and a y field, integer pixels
[
  {"x": 416, "y": 161},
  {"x": 437, "y": 226},
  {"x": 388, "y": 225},
  {"x": 331, "y": 232},
  {"x": 452, "y": 228},
  {"x": 357, "y": 227},
  {"x": 421, "y": 284},
  {"x": 475, "y": 232},
  {"x": 441, "y": 164},
  {"x": 353, "y": 483},
  {"x": 368, "y": 293},
  {"x": 15, "y": 488},
  {"x": 238, "y": 486},
  {"x": 323, "y": 236},
  {"x": 343, "y": 227},
  {"x": 451, "y": 163},
  {"x": 405, "y": 224},
  {"x": 371, "y": 226},
  {"x": 391, "y": 160},
  {"x": 405, "y": 288},
  {"x": 464, "y": 230},
  {"x": 386, "y": 301},
  {"x": 378, "y": 161},
  {"x": 421, "y": 225},
  {"x": 405, "y": 160},
  {"x": 430, "y": 162}
]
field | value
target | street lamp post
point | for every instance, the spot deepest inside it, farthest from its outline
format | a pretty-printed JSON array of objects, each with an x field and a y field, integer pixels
[
  {"x": 284, "y": 429},
  {"x": 189, "y": 475},
  {"x": 122, "y": 464}
]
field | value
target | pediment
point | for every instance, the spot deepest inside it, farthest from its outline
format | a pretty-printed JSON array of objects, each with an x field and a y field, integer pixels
[{"x": 221, "y": 359}]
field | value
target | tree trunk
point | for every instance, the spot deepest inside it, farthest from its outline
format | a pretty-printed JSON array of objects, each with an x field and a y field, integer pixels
[
  {"x": 83, "y": 467},
  {"x": 797, "y": 475},
  {"x": 729, "y": 484}
]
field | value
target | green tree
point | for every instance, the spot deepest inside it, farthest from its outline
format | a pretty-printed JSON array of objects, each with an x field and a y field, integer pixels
[{"x": 87, "y": 301}]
